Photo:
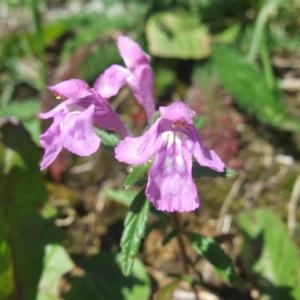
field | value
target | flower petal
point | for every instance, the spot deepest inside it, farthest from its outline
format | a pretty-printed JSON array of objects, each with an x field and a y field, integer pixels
[
  {"x": 205, "y": 157},
  {"x": 131, "y": 52},
  {"x": 141, "y": 84},
  {"x": 137, "y": 150},
  {"x": 72, "y": 88},
  {"x": 170, "y": 184},
  {"x": 60, "y": 109},
  {"x": 77, "y": 132},
  {"x": 106, "y": 117},
  {"x": 51, "y": 142},
  {"x": 111, "y": 81},
  {"x": 177, "y": 111}
]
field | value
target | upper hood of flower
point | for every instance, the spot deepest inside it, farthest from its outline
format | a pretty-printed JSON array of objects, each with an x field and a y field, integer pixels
[
  {"x": 70, "y": 89},
  {"x": 132, "y": 54},
  {"x": 177, "y": 112}
]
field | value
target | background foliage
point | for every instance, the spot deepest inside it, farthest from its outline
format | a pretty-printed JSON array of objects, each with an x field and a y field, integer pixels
[{"x": 237, "y": 64}]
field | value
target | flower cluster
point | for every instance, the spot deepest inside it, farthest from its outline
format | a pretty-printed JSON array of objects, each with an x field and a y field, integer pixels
[{"x": 171, "y": 141}]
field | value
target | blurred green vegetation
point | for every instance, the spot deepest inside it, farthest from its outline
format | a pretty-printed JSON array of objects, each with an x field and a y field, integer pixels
[{"x": 237, "y": 63}]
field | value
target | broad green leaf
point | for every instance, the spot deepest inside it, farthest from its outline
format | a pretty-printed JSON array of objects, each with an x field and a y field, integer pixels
[
  {"x": 24, "y": 234},
  {"x": 199, "y": 172},
  {"x": 247, "y": 84},
  {"x": 137, "y": 174},
  {"x": 270, "y": 255},
  {"x": 211, "y": 250},
  {"x": 103, "y": 280},
  {"x": 177, "y": 35},
  {"x": 56, "y": 263},
  {"x": 23, "y": 110},
  {"x": 121, "y": 196},
  {"x": 133, "y": 232}
]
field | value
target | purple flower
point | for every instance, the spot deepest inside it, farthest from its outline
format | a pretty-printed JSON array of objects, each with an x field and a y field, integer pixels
[
  {"x": 73, "y": 121},
  {"x": 137, "y": 75},
  {"x": 173, "y": 140}
]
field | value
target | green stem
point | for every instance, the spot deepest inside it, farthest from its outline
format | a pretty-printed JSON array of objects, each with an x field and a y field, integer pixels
[
  {"x": 266, "y": 63},
  {"x": 39, "y": 33},
  {"x": 260, "y": 23}
]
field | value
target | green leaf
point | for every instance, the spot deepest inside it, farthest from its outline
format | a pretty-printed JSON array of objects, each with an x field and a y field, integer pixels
[
  {"x": 108, "y": 139},
  {"x": 199, "y": 172},
  {"x": 177, "y": 34},
  {"x": 103, "y": 280},
  {"x": 121, "y": 196},
  {"x": 270, "y": 255},
  {"x": 211, "y": 250},
  {"x": 23, "y": 110},
  {"x": 56, "y": 263},
  {"x": 24, "y": 234},
  {"x": 246, "y": 83},
  {"x": 137, "y": 174},
  {"x": 133, "y": 232}
]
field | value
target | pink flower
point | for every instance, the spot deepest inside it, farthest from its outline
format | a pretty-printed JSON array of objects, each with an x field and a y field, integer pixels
[
  {"x": 137, "y": 75},
  {"x": 173, "y": 141},
  {"x": 74, "y": 120}
]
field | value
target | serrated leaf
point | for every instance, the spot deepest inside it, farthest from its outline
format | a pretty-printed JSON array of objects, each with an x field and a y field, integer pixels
[
  {"x": 56, "y": 263},
  {"x": 177, "y": 34},
  {"x": 133, "y": 232},
  {"x": 270, "y": 255},
  {"x": 247, "y": 84},
  {"x": 211, "y": 250},
  {"x": 103, "y": 280},
  {"x": 200, "y": 171},
  {"x": 137, "y": 174}
]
